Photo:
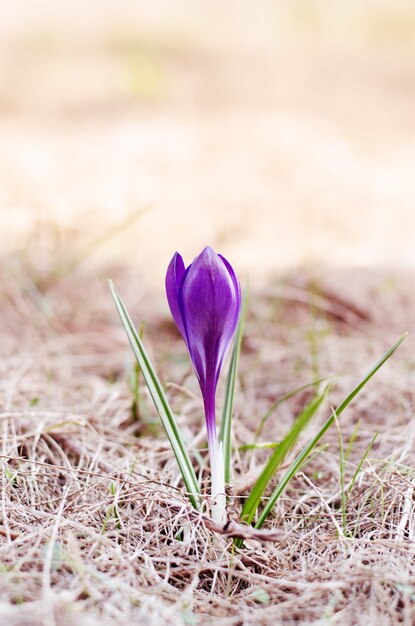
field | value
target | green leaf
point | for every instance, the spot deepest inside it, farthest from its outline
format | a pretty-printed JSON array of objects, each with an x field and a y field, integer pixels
[
  {"x": 352, "y": 439},
  {"x": 135, "y": 384},
  {"x": 226, "y": 422},
  {"x": 260, "y": 595},
  {"x": 341, "y": 472},
  {"x": 287, "y": 396},
  {"x": 299, "y": 460},
  {"x": 160, "y": 401},
  {"x": 259, "y": 446},
  {"x": 362, "y": 460},
  {"x": 279, "y": 455}
]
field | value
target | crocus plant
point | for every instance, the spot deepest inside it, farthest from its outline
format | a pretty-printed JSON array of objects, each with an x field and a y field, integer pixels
[{"x": 205, "y": 302}]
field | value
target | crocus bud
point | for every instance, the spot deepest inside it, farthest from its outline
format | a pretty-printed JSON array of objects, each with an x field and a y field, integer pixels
[{"x": 205, "y": 300}]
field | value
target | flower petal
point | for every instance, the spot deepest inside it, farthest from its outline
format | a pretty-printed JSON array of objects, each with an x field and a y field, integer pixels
[
  {"x": 236, "y": 284},
  {"x": 210, "y": 301},
  {"x": 174, "y": 278}
]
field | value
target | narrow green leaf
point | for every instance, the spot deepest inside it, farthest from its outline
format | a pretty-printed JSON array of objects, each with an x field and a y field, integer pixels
[
  {"x": 226, "y": 422},
  {"x": 279, "y": 455},
  {"x": 160, "y": 401},
  {"x": 362, "y": 460},
  {"x": 259, "y": 446},
  {"x": 135, "y": 384},
  {"x": 299, "y": 460},
  {"x": 287, "y": 396},
  {"x": 341, "y": 472},
  {"x": 352, "y": 439}
]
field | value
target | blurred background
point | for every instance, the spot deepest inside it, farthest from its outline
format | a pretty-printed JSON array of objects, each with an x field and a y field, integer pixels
[{"x": 282, "y": 133}]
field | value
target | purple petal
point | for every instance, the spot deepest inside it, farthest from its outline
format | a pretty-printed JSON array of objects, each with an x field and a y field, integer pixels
[
  {"x": 236, "y": 284},
  {"x": 174, "y": 278},
  {"x": 210, "y": 302}
]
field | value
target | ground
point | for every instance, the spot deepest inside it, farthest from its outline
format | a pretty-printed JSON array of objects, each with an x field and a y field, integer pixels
[{"x": 95, "y": 527}]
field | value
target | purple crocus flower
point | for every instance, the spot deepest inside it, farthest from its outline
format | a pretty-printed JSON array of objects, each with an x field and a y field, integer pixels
[{"x": 205, "y": 300}]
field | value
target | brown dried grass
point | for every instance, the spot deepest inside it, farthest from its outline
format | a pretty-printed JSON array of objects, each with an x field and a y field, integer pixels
[{"x": 94, "y": 526}]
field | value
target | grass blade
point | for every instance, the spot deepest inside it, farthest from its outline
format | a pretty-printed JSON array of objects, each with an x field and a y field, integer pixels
[
  {"x": 279, "y": 455},
  {"x": 341, "y": 472},
  {"x": 299, "y": 460},
  {"x": 259, "y": 446},
  {"x": 160, "y": 401},
  {"x": 352, "y": 439},
  {"x": 362, "y": 460},
  {"x": 226, "y": 422},
  {"x": 284, "y": 398},
  {"x": 135, "y": 385}
]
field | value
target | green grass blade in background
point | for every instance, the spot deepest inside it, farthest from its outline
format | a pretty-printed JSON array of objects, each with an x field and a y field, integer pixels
[
  {"x": 359, "y": 467},
  {"x": 259, "y": 446},
  {"x": 278, "y": 456},
  {"x": 341, "y": 473},
  {"x": 160, "y": 401},
  {"x": 284, "y": 398},
  {"x": 225, "y": 426},
  {"x": 135, "y": 384},
  {"x": 299, "y": 460}
]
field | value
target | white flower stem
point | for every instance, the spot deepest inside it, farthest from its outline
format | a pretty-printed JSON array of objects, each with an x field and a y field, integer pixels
[{"x": 217, "y": 473}]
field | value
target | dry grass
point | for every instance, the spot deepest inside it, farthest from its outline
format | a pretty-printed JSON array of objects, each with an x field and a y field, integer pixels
[
  {"x": 94, "y": 528},
  {"x": 281, "y": 136}
]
